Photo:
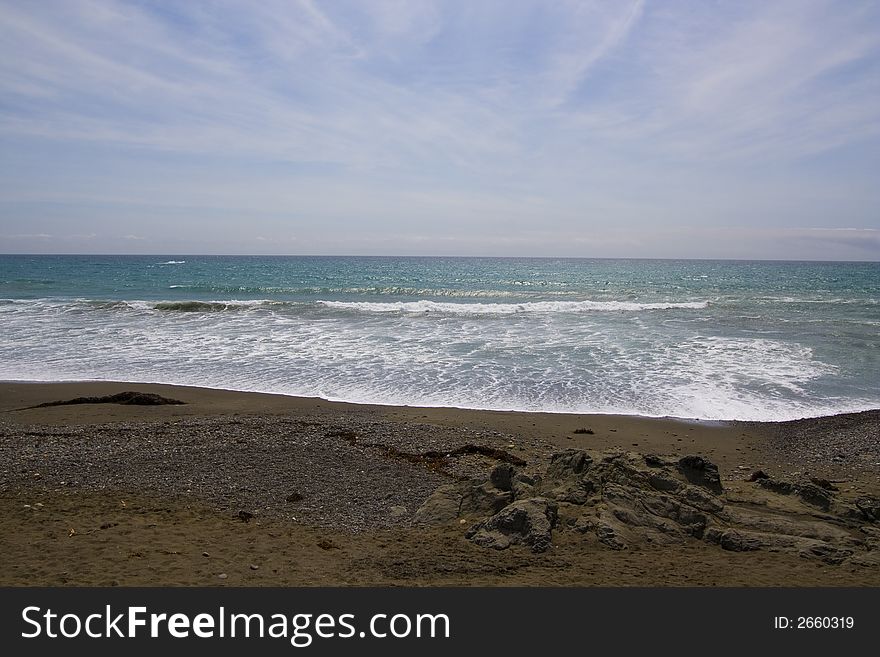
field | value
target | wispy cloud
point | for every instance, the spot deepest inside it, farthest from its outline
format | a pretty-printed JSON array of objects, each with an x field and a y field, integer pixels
[{"x": 569, "y": 114}]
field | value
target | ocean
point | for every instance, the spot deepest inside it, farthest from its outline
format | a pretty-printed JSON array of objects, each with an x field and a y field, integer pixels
[{"x": 713, "y": 340}]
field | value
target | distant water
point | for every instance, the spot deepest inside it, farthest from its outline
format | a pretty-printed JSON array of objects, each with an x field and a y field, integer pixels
[{"x": 699, "y": 339}]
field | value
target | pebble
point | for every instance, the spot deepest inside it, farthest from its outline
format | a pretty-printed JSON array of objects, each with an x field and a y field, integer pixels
[{"x": 344, "y": 485}]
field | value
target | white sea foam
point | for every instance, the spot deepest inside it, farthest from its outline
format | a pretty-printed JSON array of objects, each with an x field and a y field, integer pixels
[
  {"x": 546, "y": 359},
  {"x": 172, "y": 262},
  {"x": 425, "y": 306}
]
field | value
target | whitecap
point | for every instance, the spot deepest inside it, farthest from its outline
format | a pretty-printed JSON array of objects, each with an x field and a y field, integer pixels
[{"x": 424, "y": 306}]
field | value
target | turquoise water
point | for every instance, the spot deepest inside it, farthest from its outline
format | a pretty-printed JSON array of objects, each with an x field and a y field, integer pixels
[{"x": 700, "y": 339}]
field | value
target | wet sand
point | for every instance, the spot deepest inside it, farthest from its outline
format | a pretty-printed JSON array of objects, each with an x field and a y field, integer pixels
[{"x": 238, "y": 488}]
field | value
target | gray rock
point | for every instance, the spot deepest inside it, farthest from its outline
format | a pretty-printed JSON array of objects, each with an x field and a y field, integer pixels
[
  {"x": 815, "y": 496},
  {"x": 700, "y": 472},
  {"x": 442, "y": 506},
  {"x": 621, "y": 471},
  {"x": 610, "y": 533},
  {"x": 701, "y": 499},
  {"x": 870, "y": 507},
  {"x": 655, "y": 461},
  {"x": 737, "y": 541},
  {"x": 757, "y": 475},
  {"x": 502, "y": 476},
  {"x": 463, "y": 498},
  {"x": 527, "y": 522},
  {"x": 691, "y": 520},
  {"x": 665, "y": 482},
  {"x": 777, "y": 486},
  {"x": 827, "y": 553},
  {"x": 713, "y": 535},
  {"x": 584, "y": 524},
  {"x": 807, "y": 492},
  {"x": 607, "y": 536},
  {"x": 523, "y": 487},
  {"x": 785, "y": 525},
  {"x": 824, "y": 483},
  {"x": 484, "y": 498},
  {"x": 573, "y": 492},
  {"x": 627, "y": 498},
  {"x": 568, "y": 463}
]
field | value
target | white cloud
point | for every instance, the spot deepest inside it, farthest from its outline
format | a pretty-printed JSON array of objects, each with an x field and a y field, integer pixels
[{"x": 411, "y": 118}]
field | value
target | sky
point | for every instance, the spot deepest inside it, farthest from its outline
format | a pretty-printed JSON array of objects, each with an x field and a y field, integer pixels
[{"x": 668, "y": 129}]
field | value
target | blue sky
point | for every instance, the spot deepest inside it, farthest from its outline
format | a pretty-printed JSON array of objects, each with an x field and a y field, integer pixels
[{"x": 599, "y": 129}]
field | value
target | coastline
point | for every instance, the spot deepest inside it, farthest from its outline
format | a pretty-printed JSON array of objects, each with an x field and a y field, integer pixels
[{"x": 185, "y": 472}]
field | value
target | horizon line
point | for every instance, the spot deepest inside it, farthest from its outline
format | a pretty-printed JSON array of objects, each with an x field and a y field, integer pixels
[{"x": 426, "y": 256}]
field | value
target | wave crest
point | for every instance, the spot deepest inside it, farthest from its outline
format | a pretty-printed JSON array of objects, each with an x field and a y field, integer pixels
[{"x": 509, "y": 308}]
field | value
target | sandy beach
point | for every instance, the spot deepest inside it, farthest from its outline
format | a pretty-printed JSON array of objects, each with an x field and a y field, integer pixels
[{"x": 231, "y": 488}]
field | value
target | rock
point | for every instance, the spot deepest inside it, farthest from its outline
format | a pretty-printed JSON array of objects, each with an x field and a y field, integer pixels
[
  {"x": 245, "y": 516},
  {"x": 785, "y": 525},
  {"x": 398, "y": 511},
  {"x": 254, "y": 566},
  {"x": 484, "y": 498},
  {"x": 870, "y": 507},
  {"x": 568, "y": 463},
  {"x": 808, "y": 493},
  {"x": 777, "y": 486},
  {"x": 701, "y": 499},
  {"x": 442, "y": 506},
  {"x": 758, "y": 474},
  {"x": 629, "y": 498},
  {"x": 523, "y": 486},
  {"x": 527, "y": 522},
  {"x": 713, "y": 535},
  {"x": 610, "y": 533},
  {"x": 128, "y": 397},
  {"x": 573, "y": 492},
  {"x": 584, "y": 430},
  {"x": 691, "y": 521},
  {"x": 607, "y": 536},
  {"x": 205, "y": 554},
  {"x": 737, "y": 541},
  {"x": 630, "y": 509},
  {"x": 824, "y": 483},
  {"x": 502, "y": 476},
  {"x": 815, "y": 496},
  {"x": 745, "y": 541},
  {"x": 871, "y": 532},
  {"x": 827, "y": 553},
  {"x": 452, "y": 501},
  {"x": 701, "y": 472},
  {"x": 623, "y": 471},
  {"x": 564, "y": 480},
  {"x": 294, "y": 497},
  {"x": 222, "y": 576},
  {"x": 664, "y": 482},
  {"x": 584, "y": 524}
]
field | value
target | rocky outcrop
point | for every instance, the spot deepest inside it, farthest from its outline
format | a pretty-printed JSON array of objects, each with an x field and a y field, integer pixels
[
  {"x": 622, "y": 499},
  {"x": 527, "y": 522},
  {"x": 464, "y": 498},
  {"x": 701, "y": 472}
]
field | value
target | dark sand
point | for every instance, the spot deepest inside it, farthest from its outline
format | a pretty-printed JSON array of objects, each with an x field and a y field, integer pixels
[{"x": 101, "y": 494}]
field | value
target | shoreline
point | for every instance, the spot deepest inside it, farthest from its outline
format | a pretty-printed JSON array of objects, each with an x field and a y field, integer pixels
[
  {"x": 314, "y": 492},
  {"x": 675, "y": 418}
]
